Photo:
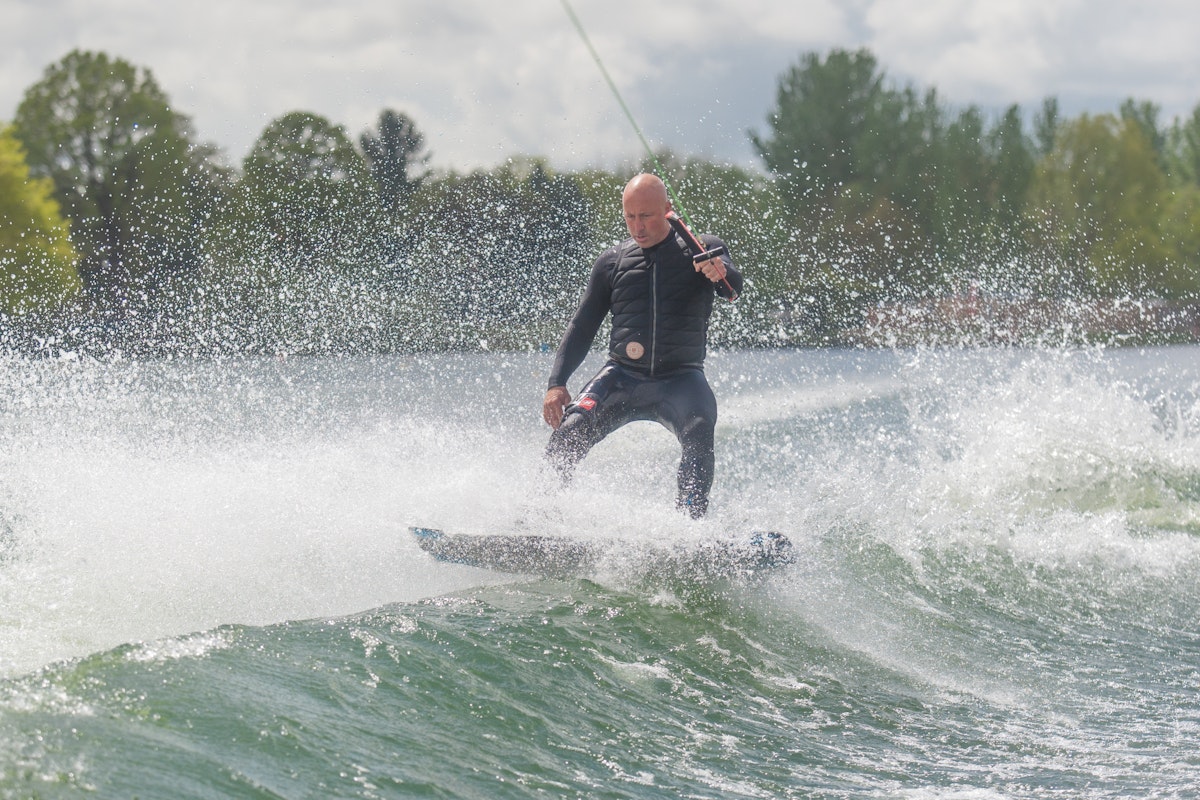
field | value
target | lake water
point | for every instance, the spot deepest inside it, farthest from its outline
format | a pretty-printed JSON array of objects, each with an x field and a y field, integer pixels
[{"x": 207, "y": 589}]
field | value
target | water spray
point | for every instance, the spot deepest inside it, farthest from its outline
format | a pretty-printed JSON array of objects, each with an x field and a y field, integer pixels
[{"x": 681, "y": 221}]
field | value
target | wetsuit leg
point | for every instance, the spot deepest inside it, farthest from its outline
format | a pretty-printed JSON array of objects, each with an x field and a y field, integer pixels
[
  {"x": 683, "y": 402},
  {"x": 600, "y": 409},
  {"x": 689, "y": 409}
]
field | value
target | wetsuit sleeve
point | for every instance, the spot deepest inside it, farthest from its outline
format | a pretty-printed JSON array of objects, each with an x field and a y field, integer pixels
[
  {"x": 732, "y": 273},
  {"x": 581, "y": 330}
]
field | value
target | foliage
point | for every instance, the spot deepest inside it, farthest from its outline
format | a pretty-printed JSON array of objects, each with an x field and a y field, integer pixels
[
  {"x": 899, "y": 198},
  {"x": 1180, "y": 276},
  {"x": 125, "y": 172},
  {"x": 878, "y": 201},
  {"x": 299, "y": 242},
  {"x": 311, "y": 192},
  {"x": 1183, "y": 150},
  {"x": 502, "y": 255},
  {"x": 37, "y": 262},
  {"x": 908, "y": 202},
  {"x": 397, "y": 159},
  {"x": 1097, "y": 197},
  {"x": 826, "y": 122}
]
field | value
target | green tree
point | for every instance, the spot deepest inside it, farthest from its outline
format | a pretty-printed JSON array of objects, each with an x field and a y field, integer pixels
[
  {"x": 312, "y": 191},
  {"x": 1181, "y": 217},
  {"x": 295, "y": 259},
  {"x": 959, "y": 193},
  {"x": 1013, "y": 163},
  {"x": 853, "y": 162},
  {"x": 981, "y": 178},
  {"x": 1098, "y": 198},
  {"x": 1144, "y": 114},
  {"x": 124, "y": 169},
  {"x": 397, "y": 158},
  {"x": 1183, "y": 150},
  {"x": 521, "y": 243},
  {"x": 37, "y": 262},
  {"x": 1180, "y": 277},
  {"x": 823, "y": 110},
  {"x": 743, "y": 207},
  {"x": 1046, "y": 123}
]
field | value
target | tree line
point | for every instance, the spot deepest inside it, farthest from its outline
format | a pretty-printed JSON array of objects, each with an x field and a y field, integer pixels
[{"x": 119, "y": 230}]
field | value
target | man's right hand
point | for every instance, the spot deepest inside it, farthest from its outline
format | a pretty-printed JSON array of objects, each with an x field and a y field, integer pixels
[{"x": 555, "y": 401}]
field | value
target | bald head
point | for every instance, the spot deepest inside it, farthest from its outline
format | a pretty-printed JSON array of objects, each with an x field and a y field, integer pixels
[
  {"x": 646, "y": 185},
  {"x": 646, "y": 206}
]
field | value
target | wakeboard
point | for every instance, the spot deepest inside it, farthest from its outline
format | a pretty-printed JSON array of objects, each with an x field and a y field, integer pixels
[{"x": 563, "y": 557}]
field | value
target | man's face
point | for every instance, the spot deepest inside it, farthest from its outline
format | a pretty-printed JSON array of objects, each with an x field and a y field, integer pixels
[{"x": 646, "y": 216}]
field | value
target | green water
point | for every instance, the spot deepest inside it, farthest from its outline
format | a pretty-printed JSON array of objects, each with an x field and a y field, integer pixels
[{"x": 995, "y": 595}]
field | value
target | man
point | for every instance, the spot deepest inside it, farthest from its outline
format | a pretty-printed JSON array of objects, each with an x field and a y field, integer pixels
[{"x": 660, "y": 304}]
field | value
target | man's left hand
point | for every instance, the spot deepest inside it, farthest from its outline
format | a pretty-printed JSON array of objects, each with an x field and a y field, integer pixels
[{"x": 713, "y": 269}]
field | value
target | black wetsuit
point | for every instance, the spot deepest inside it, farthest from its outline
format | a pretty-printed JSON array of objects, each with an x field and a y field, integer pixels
[{"x": 660, "y": 307}]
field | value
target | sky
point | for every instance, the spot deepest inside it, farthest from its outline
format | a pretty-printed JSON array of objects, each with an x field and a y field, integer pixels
[{"x": 486, "y": 80}]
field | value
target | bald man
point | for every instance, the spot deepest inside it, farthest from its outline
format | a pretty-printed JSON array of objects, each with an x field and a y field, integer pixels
[{"x": 660, "y": 303}]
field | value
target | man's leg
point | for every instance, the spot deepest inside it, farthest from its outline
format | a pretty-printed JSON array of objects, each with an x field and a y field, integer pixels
[
  {"x": 696, "y": 466},
  {"x": 591, "y": 416},
  {"x": 690, "y": 411},
  {"x": 571, "y": 441}
]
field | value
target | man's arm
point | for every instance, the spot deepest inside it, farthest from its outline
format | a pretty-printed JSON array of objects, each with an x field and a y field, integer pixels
[{"x": 577, "y": 339}]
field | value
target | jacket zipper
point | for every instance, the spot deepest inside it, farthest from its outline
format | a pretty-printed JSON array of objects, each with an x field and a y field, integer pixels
[{"x": 653, "y": 312}]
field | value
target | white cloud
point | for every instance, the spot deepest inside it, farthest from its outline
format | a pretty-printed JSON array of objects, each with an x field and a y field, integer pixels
[
  {"x": 1085, "y": 53},
  {"x": 485, "y": 80}
]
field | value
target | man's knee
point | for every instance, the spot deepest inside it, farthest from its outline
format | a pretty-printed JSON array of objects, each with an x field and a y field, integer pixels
[
  {"x": 698, "y": 434},
  {"x": 569, "y": 443}
]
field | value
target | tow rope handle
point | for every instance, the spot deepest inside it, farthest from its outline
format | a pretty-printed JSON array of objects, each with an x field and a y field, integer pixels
[{"x": 697, "y": 247}]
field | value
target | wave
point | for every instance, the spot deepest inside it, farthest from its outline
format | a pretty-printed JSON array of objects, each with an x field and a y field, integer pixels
[
  {"x": 974, "y": 672},
  {"x": 995, "y": 587}
]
